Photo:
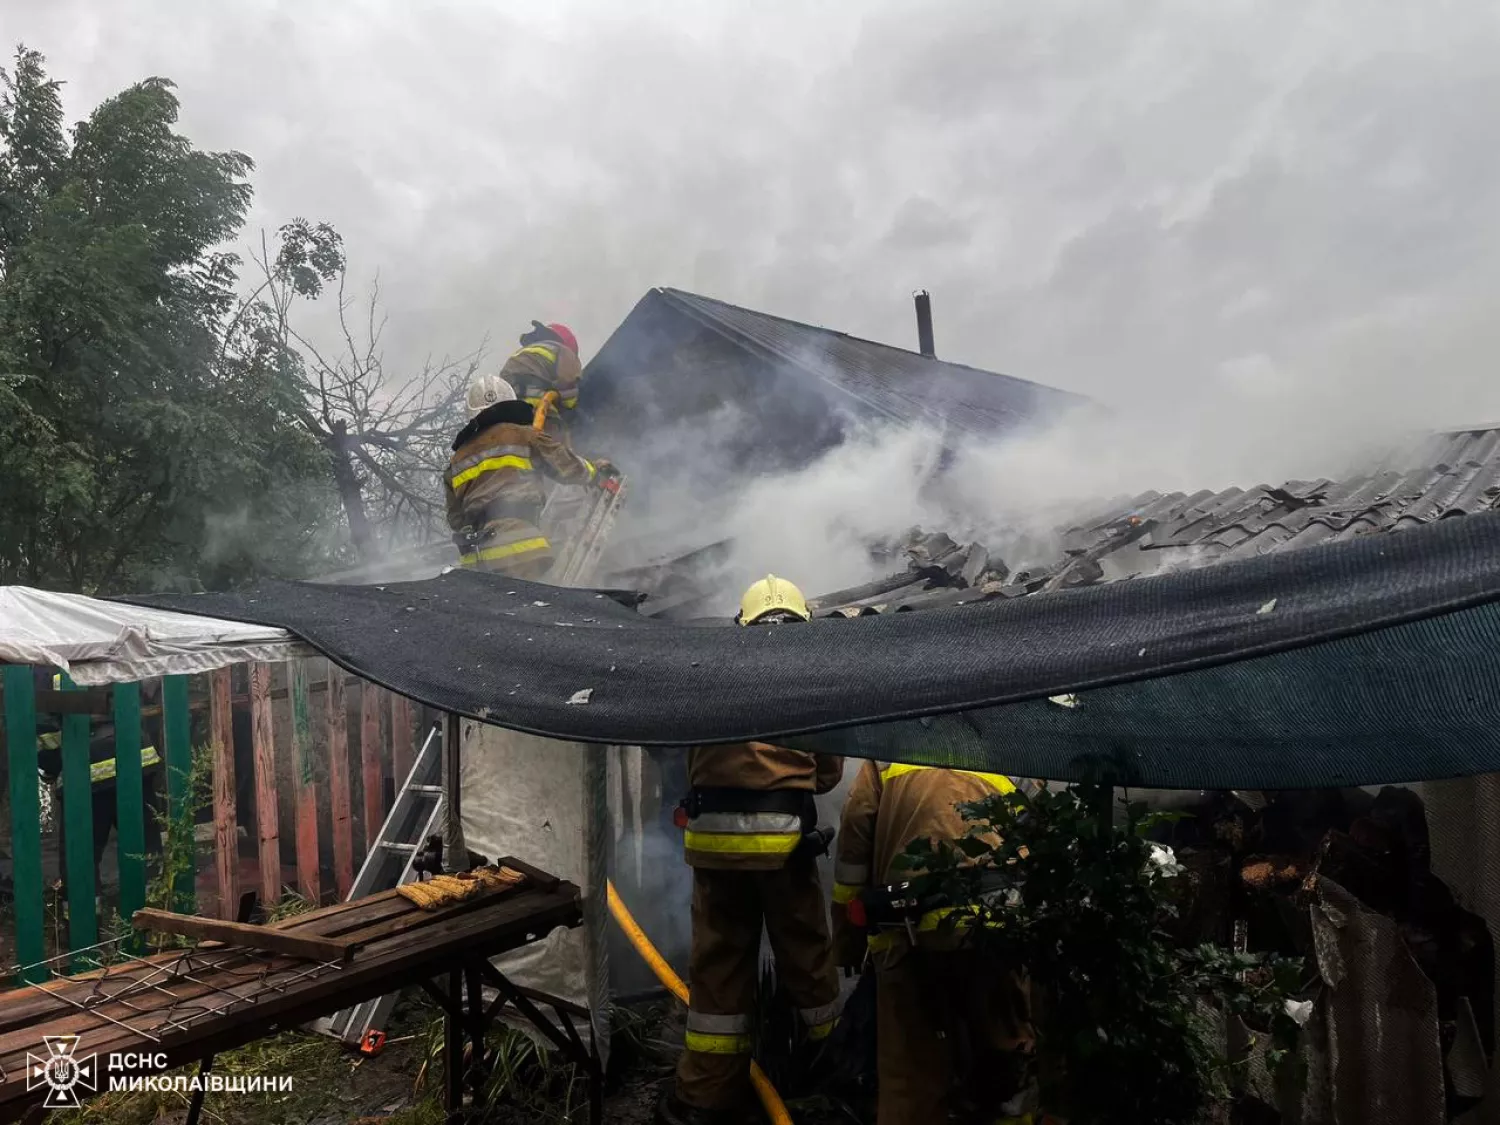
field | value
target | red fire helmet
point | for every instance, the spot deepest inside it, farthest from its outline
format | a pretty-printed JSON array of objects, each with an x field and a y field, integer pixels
[{"x": 565, "y": 334}]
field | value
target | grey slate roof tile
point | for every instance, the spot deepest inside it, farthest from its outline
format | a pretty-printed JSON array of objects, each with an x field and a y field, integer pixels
[{"x": 1436, "y": 478}]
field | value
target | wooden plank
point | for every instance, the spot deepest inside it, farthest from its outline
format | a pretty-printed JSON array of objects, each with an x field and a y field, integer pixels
[
  {"x": 311, "y": 947},
  {"x": 226, "y": 825},
  {"x": 130, "y": 799},
  {"x": 66, "y": 1019},
  {"x": 401, "y": 738},
  {"x": 372, "y": 768},
  {"x": 78, "y": 831},
  {"x": 508, "y": 923},
  {"x": 309, "y": 880},
  {"x": 174, "y": 701},
  {"x": 417, "y": 919},
  {"x": 267, "y": 813},
  {"x": 339, "y": 796},
  {"x": 25, "y": 818},
  {"x": 321, "y": 913},
  {"x": 511, "y": 922},
  {"x": 22, "y": 1009}
]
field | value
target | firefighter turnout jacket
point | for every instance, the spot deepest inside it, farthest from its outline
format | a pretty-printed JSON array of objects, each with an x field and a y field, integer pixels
[
  {"x": 750, "y": 806},
  {"x": 752, "y": 803},
  {"x": 953, "y": 1027},
  {"x": 541, "y": 367},
  {"x": 889, "y": 806},
  {"x": 494, "y": 496}
]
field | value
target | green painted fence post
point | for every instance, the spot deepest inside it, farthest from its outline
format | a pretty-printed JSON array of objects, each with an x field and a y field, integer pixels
[
  {"x": 130, "y": 793},
  {"x": 25, "y": 818},
  {"x": 176, "y": 722},
  {"x": 78, "y": 831}
]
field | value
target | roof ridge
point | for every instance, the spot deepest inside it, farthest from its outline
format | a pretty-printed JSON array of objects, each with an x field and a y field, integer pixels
[{"x": 676, "y": 294}]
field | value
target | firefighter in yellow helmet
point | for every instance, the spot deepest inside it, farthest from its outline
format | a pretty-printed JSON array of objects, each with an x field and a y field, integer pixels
[
  {"x": 953, "y": 1029},
  {"x": 752, "y": 841},
  {"x": 494, "y": 498}
]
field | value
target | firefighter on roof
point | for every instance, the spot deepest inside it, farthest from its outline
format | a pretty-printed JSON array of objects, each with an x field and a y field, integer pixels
[
  {"x": 545, "y": 372},
  {"x": 752, "y": 841},
  {"x": 494, "y": 498},
  {"x": 953, "y": 1029}
]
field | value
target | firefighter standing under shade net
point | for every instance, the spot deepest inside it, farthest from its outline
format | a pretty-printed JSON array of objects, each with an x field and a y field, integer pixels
[
  {"x": 752, "y": 841},
  {"x": 952, "y": 1027},
  {"x": 494, "y": 497}
]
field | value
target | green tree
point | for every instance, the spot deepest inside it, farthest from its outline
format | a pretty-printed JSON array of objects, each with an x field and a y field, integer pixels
[{"x": 139, "y": 444}]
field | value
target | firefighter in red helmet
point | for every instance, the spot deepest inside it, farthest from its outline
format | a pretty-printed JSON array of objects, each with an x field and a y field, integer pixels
[{"x": 545, "y": 372}]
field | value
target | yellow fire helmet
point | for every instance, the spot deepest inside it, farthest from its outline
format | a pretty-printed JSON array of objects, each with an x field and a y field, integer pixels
[{"x": 772, "y": 595}]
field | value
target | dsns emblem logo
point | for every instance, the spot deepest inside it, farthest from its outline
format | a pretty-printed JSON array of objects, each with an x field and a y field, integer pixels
[{"x": 63, "y": 1071}]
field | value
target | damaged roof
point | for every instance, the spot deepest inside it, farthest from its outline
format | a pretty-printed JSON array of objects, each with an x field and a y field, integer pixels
[
  {"x": 887, "y": 381},
  {"x": 1450, "y": 474}
]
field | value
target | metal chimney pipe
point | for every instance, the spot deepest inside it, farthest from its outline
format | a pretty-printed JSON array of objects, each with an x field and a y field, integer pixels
[{"x": 924, "y": 324}]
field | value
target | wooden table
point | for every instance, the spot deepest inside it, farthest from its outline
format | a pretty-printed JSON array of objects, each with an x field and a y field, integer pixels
[{"x": 186, "y": 1005}]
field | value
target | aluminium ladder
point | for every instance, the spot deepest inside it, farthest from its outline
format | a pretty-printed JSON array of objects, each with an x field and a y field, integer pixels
[
  {"x": 416, "y": 814},
  {"x": 580, "y": 553}
]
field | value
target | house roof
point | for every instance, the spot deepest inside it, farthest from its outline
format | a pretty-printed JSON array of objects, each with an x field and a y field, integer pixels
[
  {"x": 890, "y": 382},
  {"x": 1445, "y": 475}
]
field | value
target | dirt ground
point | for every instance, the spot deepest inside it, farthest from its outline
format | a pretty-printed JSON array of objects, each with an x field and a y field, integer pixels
[{"x": 401, "y": 1086}]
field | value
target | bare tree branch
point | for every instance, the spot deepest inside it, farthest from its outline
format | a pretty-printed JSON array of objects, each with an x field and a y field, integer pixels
[{"x": 387, "y": 435}]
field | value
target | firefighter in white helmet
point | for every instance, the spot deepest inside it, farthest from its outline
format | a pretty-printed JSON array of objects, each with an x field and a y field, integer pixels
[
  {"x": 494, "y": 498},
  {"x": 752, "y": 841}
]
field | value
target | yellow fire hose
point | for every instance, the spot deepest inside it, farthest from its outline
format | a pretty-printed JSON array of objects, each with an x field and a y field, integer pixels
[
  {"x": 539, "y": 416},
  {"x": 769, "y": 1098}
]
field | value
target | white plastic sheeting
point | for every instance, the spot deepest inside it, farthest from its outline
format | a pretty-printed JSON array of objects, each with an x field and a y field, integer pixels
[
  {"x": 100, "y": 642},
  {"x": 544, "y": 802}
]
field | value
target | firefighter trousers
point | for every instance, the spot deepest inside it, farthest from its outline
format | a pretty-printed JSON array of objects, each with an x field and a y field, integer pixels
[
  {"x": 729, "y": 909},
  {"x": 953, "y": 1038}
]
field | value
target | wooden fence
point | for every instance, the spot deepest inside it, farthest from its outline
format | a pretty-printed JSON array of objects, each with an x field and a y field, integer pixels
[{"x": 301, "y": 758}]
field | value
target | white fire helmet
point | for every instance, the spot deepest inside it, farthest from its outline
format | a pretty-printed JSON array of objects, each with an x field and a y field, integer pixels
[{"x": 486, "y": 391}]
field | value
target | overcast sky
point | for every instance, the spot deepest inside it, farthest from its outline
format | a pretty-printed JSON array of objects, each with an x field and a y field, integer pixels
[{"x": 1258, "y": 221}]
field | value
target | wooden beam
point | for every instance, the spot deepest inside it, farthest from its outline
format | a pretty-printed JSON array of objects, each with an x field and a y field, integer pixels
[
  {"x": 226, "y": 826},
  {"x": 401, "y": 738},
  {"x": 372, "y": 767},
  {"x": 238, "y": 933},
  {"x": 267, "y": 812},
  {"x": 309, "y": 879},
  {"x": 340, "y": 798}
]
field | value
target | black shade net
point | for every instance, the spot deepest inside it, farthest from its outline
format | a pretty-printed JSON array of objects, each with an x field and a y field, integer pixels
[{"x": 1359, "y": 662}]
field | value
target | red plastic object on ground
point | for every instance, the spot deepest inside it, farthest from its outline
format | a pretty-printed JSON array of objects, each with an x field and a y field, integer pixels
[{"x": 372, "y": 1043}]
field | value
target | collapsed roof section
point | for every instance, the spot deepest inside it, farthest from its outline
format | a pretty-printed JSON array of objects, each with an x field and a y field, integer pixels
[{"x": 1445, "y": 475}]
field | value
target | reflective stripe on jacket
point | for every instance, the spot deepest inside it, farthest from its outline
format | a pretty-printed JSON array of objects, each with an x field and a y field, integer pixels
[
  {"x": 546, "y": 366},
  {"x": 752, "y": 841},
  {"x": 507, "y": 541},
  {"x": 491, "y": 487},
  {"x": 106, "y": 770}
]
